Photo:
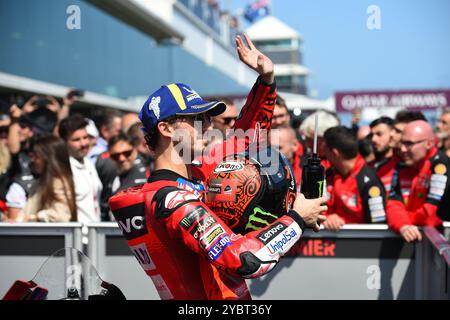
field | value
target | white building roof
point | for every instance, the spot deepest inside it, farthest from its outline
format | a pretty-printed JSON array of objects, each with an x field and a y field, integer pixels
[
  {"x": 290, "y": 69},
  {"x": 303, "y": 102},
  {"x": 270, "y": 28}
]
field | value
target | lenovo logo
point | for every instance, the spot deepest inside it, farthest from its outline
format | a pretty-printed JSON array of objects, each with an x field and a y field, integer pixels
[{"x": 267, "y": 235}]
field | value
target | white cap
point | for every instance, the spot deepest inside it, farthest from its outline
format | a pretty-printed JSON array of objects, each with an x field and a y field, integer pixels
[
  {"x": 91, "y": 128},
  {"x": 326, "y": 120}
]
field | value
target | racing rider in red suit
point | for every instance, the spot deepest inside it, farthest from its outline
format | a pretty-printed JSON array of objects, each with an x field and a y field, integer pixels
[{"x": 181, "y": 244}]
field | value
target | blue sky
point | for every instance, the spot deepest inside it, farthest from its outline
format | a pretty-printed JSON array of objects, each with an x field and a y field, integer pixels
[{"x": 410, "y": 51}]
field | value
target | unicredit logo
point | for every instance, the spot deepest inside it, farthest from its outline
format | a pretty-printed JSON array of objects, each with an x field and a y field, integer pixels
[{"x": 278, "y": 244}]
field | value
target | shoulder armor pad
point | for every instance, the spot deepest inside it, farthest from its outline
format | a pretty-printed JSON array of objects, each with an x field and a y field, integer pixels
[{"x": 168, "y": 199}]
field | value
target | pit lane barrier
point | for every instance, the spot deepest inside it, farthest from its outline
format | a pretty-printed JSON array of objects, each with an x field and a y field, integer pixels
[
  {"x": 359, "y": 262},
  {"x": 366, "y": 262}
]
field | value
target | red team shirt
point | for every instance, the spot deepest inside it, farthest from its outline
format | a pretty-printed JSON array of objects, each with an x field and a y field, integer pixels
[
  {"x": 359, "y": 197},
  {"x": 417, "y": 192},
  {"x": 385, "y": 170}
]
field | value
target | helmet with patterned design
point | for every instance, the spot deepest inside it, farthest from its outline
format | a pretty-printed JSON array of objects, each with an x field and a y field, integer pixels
[{"x": 250, "y": 190}]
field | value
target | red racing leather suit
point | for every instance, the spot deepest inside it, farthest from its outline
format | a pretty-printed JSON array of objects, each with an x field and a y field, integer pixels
[
  {"x": 296, "y": 165},
  {"x": 417, "y": 192},
  {"x": 182, "y": 245},
  {"x": 188, "y": 252}
]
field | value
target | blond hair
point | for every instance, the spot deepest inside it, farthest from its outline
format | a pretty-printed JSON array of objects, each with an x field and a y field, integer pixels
[{"x": 5, "y": 158}]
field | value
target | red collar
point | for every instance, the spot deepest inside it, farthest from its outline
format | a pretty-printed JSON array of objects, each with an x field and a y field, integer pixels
[
  {"x": 359, "y": 163},
  {"x": 423, "y": 164}
]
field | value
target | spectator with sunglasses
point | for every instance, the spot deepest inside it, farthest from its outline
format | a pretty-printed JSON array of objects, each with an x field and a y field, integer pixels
[
  {"x": 220, "y": 125},
  {"x": 226, "y": 120},
  {"x": 281, "y": 120},
  {"x": 130, "y": 166},
  {"x": 128, "y": 169}
]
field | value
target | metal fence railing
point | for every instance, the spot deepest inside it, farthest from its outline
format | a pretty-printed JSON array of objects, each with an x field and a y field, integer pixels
[
  {"x": 25, "y": 246},
  {"x": 359, "y": 262}
]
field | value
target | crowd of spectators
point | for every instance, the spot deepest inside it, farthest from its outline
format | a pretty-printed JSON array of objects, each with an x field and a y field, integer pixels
[
  {"x": 393, "y": 171},
  {"x": 59, "y": 166}
]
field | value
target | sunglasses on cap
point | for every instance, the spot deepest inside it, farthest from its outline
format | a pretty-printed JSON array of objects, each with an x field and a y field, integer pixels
[{"x": 126, "y": 154}]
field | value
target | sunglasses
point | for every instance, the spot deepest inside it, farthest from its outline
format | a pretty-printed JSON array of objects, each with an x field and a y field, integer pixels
[
  {"x": 227, "y": 120},
  {"x": 409, "y": 144},
  {"x": 202, "y": 117},
  {"x": 126, "y": 154}
]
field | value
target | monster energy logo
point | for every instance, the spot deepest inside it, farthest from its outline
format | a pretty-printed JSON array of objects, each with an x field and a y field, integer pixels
[
  {"x": 259, "y": 216},
  {"x": 192, "y": 217},
  {"x": 320, "y": 183}
]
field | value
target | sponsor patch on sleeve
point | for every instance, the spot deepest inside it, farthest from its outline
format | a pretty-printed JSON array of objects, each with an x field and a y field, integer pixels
[
  {"x": 202, "y": 226},
  {"x": 218, "y": 247},
  {"x": 267, "y": 235},
  {"x": 280, "y": 244},
  {"x": 376, "y": 208},
  {"x": 438, "y": 183},
  {"x": 131, "y": 221},
  {"x": 440, "y": 168},
  {"x": 211, "y": 236},
  {"x": 142, "y": 255},
  {"x": 192, "y": 217},
  {"x": 374, "y": 192},
  {"x": 176, "y": 198}
]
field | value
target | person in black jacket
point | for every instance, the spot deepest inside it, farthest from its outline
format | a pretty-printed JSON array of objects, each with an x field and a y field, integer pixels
[{"x": 130, "y": 166}]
